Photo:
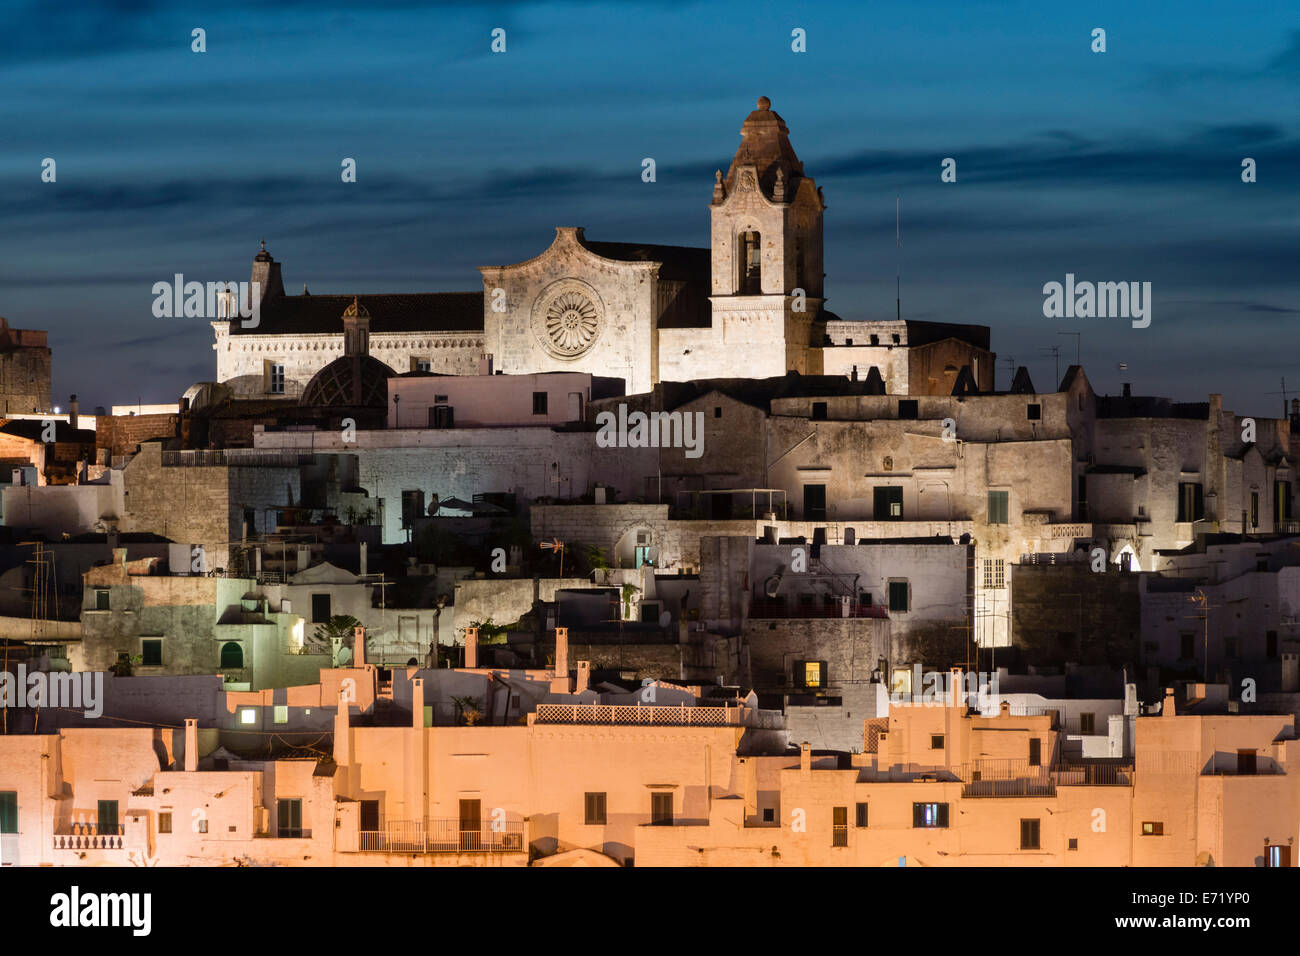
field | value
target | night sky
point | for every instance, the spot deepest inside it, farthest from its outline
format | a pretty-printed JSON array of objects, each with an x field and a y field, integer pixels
[{"x": 1123, "y": 165}]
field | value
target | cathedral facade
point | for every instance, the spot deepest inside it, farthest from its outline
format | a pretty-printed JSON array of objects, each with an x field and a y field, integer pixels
[{"x": 643, "y": 313}]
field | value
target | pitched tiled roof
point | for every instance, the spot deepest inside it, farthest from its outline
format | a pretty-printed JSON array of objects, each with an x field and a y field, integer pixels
[{"x": 398, "y": 312}]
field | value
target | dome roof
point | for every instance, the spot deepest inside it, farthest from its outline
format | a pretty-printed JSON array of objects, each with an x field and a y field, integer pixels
[{"x": 350, "y": 380}]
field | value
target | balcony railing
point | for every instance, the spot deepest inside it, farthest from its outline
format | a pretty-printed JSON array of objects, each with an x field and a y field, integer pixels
[
  {"x": 89, "y": 836},
  {"x": 623, "y": 714},
  {"x": 443, "y": 836},
  {"x": 231, "y": 457},
  {"x": 778, "y": 608}
]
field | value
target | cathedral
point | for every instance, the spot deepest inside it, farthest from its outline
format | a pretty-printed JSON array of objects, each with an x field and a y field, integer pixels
[{"x": 642, "y": 313}]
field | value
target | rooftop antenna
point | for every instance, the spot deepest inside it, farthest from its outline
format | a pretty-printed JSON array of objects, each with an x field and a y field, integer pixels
[
  {"x": 1078, "y": 338},
  {"x": 1056, "y": 354},
  {"x": 898, "y": 258},
  {"x": 1284, "y": 394}
]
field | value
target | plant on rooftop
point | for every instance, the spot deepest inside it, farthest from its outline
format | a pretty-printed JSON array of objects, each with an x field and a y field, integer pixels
[
  {"x": 337, "y": 627},
  {"x": 467, "y": 710}
]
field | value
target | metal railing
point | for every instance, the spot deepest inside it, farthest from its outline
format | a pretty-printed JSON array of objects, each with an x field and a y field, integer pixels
[
  {"x": 232, "y": 457},
  {"x": 778, "y": 608},
  {"x": 443, "y": 836},
  {"x": 623, "y": 714}
]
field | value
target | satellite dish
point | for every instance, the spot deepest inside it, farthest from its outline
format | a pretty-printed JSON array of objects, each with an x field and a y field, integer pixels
[
  {"x": 772, "y": 585},
  {"x": 665, "y": 619},
  {"x": 345, "y": 655}
]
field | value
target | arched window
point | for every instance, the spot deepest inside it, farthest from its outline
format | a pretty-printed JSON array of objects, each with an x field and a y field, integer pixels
[
  {"x": 232, "y": 655},
  {"x": 751, "y": 263}
]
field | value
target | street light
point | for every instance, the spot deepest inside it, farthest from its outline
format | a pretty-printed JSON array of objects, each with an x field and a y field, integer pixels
[{"x": 555, "y": 544}]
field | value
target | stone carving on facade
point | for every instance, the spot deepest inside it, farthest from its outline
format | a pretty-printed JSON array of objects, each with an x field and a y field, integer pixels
[{"x": 568, "y": 319}]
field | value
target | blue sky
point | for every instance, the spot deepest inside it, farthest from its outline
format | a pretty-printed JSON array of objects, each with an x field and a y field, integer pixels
[{"x": 1123, "y": 165}]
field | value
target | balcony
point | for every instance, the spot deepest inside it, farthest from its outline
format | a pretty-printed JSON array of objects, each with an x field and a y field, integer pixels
[
  {"x": 779, "y": 609},
  {"x": 88, "y": 836},
  {"x": 443, "y": 836},
  {"x": 625, "y": 714}
]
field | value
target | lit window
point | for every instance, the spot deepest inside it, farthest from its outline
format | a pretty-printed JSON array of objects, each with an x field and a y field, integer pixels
[
  {"x": 1153, "y": 829},
  {"x": 995, "y": 573},
  {"x": 281, "y": 713},
  {"x": 248, "y": 715}
]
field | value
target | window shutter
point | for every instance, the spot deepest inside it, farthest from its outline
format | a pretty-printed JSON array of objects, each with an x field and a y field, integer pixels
[{"x": 943, "y": 815}]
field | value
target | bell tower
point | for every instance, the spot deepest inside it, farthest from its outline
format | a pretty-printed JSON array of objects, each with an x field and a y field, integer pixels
[{"x": 767, "y": 249}]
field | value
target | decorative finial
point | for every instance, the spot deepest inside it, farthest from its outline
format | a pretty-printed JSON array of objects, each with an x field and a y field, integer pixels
[
  {"x": 764, "y": 103},
  {"x": 719, "y": 190},
  {"x": 264, "y": 245},
  {"x": 778, "y": 190}
]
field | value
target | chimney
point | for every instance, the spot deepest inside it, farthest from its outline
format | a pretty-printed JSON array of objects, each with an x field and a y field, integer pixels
[
  {"x": 805, "y": 757},
  {"x": 471, "y": 647},
  {"x": 342, "y": 725},
  {"x": 417, "y": 703},
  {"x": 956, "y": 688},
  {"x": 191, "y": 744},
  {"x": 74, "y": 407},
  {"x": 1128, "y": 390},
  {"x": 1167, "y": 709},
  {"x": 562, "y": 652},
  {"x": 751, "y": 786},
  {"x": 584, "y": 677},
  {"x": 358, "y": 646},
  {"x": 364, "y": 562},
  {"x": 1005, "y": 708}
]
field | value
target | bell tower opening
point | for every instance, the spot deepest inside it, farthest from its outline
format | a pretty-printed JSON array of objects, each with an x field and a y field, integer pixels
[{"x": 751, "y": 264}]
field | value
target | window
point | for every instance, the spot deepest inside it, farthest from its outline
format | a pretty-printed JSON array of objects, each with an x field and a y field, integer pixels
[
  {"x": 995, "y": 573},
  {"x": 151, "y": 652},
  {"x": 898, "y": 595},
  {"x": 875, "y": 339},
  {"x": 1270, "y": 644},
  {"x": 106, "y": 818},
  {"x": 232, "y": 656},
  {"x": 930, "y": 816},
  {"x": 8, "y": 811},
  {"x": 595, "y": 809},
  {"x": 1191, "y": 501},
  {"x": 423, "y": 365},
  {"x": 839, "y": 826},
  {"x": 819, "y": 411},
  {"x": 320, "y": 608},
  {"x": 1029, "y": 834},
  {"x": 810, "y": 674},
  {"x": 203, "y": 824},
  {"x": 1074, "y": 843},
  {"x": 998, "y": 507},
  {"x": 936, "y": 741},
  {"x": 1282, "y": 501},
  {"x": 288, "y": 818},
  {"x": 895, "y": 338},
  {"x": 908, "y": 409},
  {"x": 275, "y": 383},
  {"x": 101, "y": 600},
  {"x": 412, "y": 507},
  {"x": 1153, "y": 829},
  {"x": 717, "y": 411},
  {"x": 248, "y": 715},
  {"x": 539, "y": 403},
  {"x": 1034, "y": 412},
  {"x": 1246, "y": 763},
  {"x": 442, "y": 416},
  {"x": 1087, "y": 724},
  {"x": 861, "y": 818},
  {"x": 440, "y": 399},
  {"x": 769, "y": 815},
  {"x": 661, "y": 809},
  {"x": 1254, "y": 509},
  {"x": 369, "y": 816},
  {"x": 1187, "y": 648},
  {"x": 281, "y": 713},
  {"x": 165, "y": 822},
  {"x": 1035, "y": 752},
  {"x": 751, "y": 263},
  {"x": 814, "y": 502},
  {"x": 1277, "y": 855},
  {"x": 888, "y": 503}
]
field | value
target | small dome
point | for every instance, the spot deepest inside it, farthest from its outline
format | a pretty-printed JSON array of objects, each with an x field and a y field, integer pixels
[
  {"x": 356, "y": 310},
  {"x": 764, "y": 103},
  {"x": 351, "y": 380}
]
